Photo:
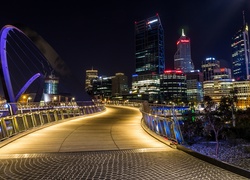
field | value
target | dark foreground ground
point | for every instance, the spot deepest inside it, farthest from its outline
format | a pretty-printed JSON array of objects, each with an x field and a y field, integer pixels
[{"x": 238, "y": 155}]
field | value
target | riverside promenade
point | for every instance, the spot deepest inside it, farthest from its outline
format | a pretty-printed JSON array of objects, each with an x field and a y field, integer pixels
[{"x": 107, "y": 145}]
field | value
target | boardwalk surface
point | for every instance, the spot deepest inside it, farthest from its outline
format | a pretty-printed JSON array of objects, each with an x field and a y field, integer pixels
[{"x": 109, "y": 145}]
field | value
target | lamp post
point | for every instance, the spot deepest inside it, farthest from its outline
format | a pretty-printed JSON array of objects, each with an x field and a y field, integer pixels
[
  {"x": 28, "y": 99},
  {"x": 72, "y": 100},
  {"x": 54, "y": 100}
]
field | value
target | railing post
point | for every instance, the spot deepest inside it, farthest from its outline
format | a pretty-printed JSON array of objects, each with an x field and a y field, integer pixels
[{"x": 11, "y": 125}]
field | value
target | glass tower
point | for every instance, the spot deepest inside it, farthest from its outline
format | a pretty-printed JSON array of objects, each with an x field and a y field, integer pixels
[
  {"x": 149, "y": 58},
  {"x": 90, "y": 74},
  {"x": 149, "y": 46},
  {"x": 51, "y": 84},
  {"x": 182, "y": 57},
  {"x": 209, "y": 65},
  {"x": 240, "y": 53}
]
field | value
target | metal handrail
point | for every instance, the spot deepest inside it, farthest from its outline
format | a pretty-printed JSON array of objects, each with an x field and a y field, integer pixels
[{"x": 14, "y": 124}]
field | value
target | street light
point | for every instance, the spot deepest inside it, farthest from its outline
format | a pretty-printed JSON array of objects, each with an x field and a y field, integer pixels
[
  {"x": 72, "y": 100},
  {"x": 54, "y": 100},
  {"x": 28, "y": 99},
  {"x": 24, "y": 100}
]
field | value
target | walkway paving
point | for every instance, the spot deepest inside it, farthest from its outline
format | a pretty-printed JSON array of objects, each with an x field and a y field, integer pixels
[{"x": 109, "y": 145}]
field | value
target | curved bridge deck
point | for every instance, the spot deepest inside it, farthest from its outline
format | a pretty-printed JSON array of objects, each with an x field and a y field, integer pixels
[{"x": 108, "y": 145}]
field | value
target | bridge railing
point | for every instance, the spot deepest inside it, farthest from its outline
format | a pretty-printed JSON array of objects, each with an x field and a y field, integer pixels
[
  {"x": 14, "y": 124},
  {"x": 125, "y": 103},
  {"x": 159, "y": 118},
  {"x": 163, "y": 120}
]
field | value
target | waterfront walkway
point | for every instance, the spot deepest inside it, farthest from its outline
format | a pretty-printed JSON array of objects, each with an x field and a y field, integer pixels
[{"x": 107, "y": 145}]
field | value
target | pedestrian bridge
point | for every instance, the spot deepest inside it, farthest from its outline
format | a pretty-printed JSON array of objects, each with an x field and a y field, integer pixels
[{"x": 111, "y": 144}]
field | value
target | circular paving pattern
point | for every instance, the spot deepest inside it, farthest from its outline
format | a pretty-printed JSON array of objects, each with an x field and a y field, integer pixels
[{"x": 119, "y": 164}]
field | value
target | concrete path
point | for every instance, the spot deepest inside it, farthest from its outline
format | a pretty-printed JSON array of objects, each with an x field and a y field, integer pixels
[
  {"x": 109, "y": 145},
  {"x": 114, "y": 129}
]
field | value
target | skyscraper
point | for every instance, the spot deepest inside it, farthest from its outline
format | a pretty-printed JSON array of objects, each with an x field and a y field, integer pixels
[
  {"x": 240, "y": 53},
  {"x": 182, "y": 57},
  {"x": 50, "y": 93},
  {"x": 51, "y": 84},
  {"x": 174, "y": 87},
  {"x": 194, "y": 82},
  {"x": 149, "y": 58},
  {"x": 119, "y": 85},
  {"x": 149, "y": 46},
  {"x": 102, "y": 88},
  {"x": 90, "y": 75},
  {"x": 208, "y": 68}
]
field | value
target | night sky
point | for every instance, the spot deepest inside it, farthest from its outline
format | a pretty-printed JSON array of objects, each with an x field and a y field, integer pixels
[{"x": 100, "y": 34}]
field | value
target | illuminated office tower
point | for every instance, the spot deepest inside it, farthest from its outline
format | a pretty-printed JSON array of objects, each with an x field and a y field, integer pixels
[
  {"x": 182, "y": 57},
  {"x": 222, "y": 73},
  {"x": 119, "y": 85},
  {"x": 102, "y": 88},
  {"x": 51, "y": 89},
  {"x": 149, "y": 46},
  {"x": 240, "y": 53},
  {"x": 90, "y": 75},
  {"x": 194, "y": 82},
  {"x": 221, "y": 87},
  {"x": 243, "y": 95},
  {"x": 173, "y": 87},
  {"x": 208, "y": 66},
  {"x": 149, "y": 58},
  {"x": 147, "y": 87},
  {"x": 217, "y": 88},
  {"x": 51, "y": 84}
]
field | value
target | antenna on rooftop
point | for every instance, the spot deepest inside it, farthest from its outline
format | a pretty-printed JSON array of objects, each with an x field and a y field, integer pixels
[
  {"x": 182, "y": 32},
  {"x": 244, "y": 21}
]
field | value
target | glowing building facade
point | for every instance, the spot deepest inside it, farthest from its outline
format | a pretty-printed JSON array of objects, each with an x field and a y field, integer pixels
[
  {"x": 223, "y": 87},
  {"x": 217, "y": 88},
  {"x": 147, "y": 87},
  {"x": 51, "y": 89},
  {"x": 51, "y": 84},
  {"x": 240, "y": 54},
  {"x": 182, "y": 57},
  {"x": 90, "y": 75},
  {"x": 243, "y": 94},
  {"x": 208, "y": 66},
  {"x": 149, "y": 58},
  {"x": 173, "y": 87},
  {"x": 222, "y": 73},
  {"x": 149, "y": 46},
  {"x": 194, "y": 81},
  {"x": 102, "y": 88},
  {"x": 119, "y": 85}
]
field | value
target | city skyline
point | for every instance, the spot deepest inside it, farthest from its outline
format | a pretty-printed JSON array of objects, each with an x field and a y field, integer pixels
[{"x": 101, "y": 35}]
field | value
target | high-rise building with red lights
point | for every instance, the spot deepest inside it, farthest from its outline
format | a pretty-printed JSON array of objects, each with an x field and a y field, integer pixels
[
  {"x": 182, "y": 57},
  {"x": 173, "y": 87}
]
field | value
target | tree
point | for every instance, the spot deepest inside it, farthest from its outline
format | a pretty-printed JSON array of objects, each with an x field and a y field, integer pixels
[
  {"x": 233, "y": 99},
  {"x": 191, "y": 128},
  {"x": 214, "y": 118},
  {"x": 224, "y": 109}
]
